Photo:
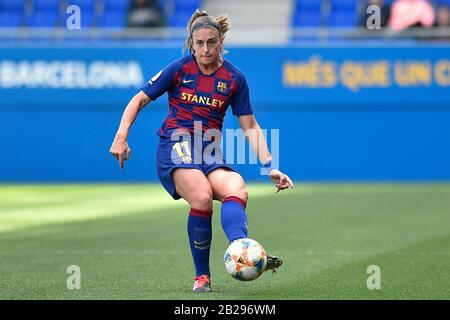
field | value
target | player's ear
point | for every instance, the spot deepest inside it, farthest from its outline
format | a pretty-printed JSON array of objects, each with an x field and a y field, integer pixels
[{"x": 222, "y": 38}]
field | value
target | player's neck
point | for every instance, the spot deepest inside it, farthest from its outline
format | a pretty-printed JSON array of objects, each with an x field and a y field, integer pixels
[{"x": 211, "y": 68}]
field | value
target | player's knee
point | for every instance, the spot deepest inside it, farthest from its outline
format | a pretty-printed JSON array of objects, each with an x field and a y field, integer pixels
[
  {"x": 243, "y": 194},
  {"x": 201, "y": 200},
  {"x": 240, "y": 193}
]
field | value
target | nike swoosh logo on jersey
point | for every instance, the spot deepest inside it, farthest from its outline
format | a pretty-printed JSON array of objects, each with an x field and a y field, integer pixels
[
  {"x": 200, "y": 242},
  {"x": 187, "y": 81}
]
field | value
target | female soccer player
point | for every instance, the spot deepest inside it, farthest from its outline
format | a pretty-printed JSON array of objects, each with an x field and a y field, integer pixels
[{"x": 200, "y": 87}]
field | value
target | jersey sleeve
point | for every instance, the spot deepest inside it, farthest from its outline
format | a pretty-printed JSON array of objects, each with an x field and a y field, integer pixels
[
  {"x": 161, "y": 82},
  {"x": 241, "y": 101}
]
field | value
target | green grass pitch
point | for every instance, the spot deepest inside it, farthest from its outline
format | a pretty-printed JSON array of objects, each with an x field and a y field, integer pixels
[{"x": 130, "y": 242}]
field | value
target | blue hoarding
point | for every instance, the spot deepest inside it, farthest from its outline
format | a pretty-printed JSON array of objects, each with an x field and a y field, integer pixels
[{"x": 343, "y": 113}]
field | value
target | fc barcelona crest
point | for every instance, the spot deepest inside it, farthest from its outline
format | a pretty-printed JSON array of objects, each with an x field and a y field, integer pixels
[{"x": 221, "y": 86}]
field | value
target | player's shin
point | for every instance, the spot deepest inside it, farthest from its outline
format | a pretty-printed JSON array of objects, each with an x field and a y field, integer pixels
[
  {"x": 234, "y": 218},
  {"x": 200, "y": 236}
]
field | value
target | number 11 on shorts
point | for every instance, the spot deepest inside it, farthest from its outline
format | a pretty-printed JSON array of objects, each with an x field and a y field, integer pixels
[{"x": 186, "y": 155}]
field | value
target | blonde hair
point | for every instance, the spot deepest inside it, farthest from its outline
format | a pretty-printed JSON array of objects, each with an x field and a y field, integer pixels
[{"x": 201, "y": 19}]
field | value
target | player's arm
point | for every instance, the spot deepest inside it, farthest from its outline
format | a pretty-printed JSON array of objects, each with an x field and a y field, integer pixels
[
  {"x": 258, "y": 143},
  {"x": 255, "y": 137},
  {"x": 119, "y": 148},
  {"x": 153, "y": 89}
]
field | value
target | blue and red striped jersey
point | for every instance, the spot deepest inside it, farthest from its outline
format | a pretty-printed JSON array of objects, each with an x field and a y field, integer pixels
[{"x": 194, "y": 96}]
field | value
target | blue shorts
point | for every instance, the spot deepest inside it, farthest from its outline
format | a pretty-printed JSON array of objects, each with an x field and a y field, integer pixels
[{"x": 185, "y": 154}]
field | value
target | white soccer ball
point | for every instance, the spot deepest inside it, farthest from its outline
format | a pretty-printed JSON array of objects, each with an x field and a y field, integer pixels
[{"x": 245, "y": 259}]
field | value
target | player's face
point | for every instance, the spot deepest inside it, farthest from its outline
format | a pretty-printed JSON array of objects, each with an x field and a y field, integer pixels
[{"x": 207, "y": 45}]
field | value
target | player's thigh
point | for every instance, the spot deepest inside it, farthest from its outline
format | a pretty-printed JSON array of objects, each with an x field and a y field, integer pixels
[
  {"x": 226, "y": 183},
  {"x": 194, "y": 187}
]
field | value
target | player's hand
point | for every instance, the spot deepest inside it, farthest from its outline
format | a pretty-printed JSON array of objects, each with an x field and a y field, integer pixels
[
  {"x": 121, "y": 151},
  {"x": 281, "y": 180}
]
